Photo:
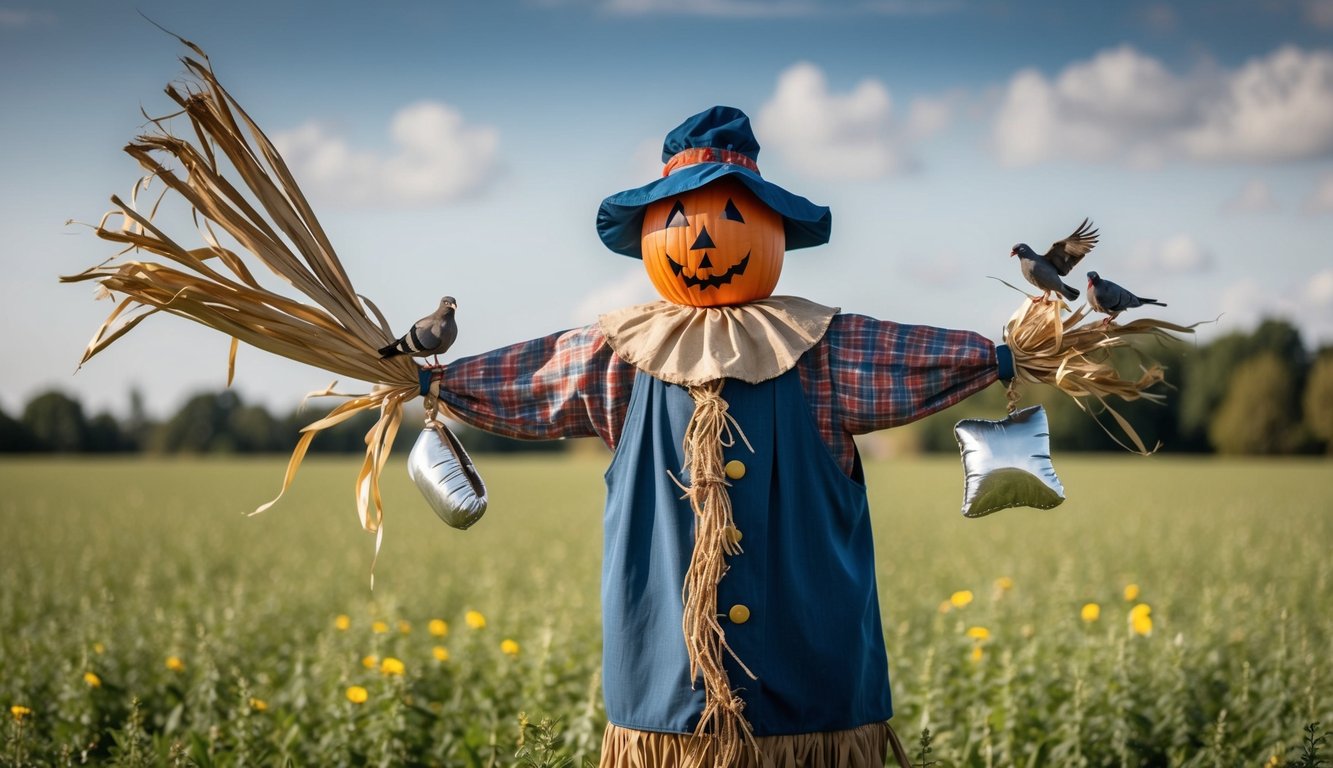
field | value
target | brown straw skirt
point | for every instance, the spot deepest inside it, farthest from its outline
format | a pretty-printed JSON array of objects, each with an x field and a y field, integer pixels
[{"x": 866, "y": 746}]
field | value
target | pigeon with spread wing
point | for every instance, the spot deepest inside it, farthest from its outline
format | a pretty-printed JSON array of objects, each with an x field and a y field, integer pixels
[{"x": 1044, "y": 270}]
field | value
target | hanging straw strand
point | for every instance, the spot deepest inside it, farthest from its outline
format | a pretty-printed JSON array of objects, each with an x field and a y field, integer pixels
[{"x": 269, "y": 217}]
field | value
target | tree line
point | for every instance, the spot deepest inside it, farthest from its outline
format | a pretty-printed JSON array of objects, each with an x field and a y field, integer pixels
[{"x": 1256, "y": 392}]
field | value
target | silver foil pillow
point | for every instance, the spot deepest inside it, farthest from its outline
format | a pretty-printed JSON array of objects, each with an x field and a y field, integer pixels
[
  {"x": 446, "y": 476},
  {"x": 1007, "y": 463}
]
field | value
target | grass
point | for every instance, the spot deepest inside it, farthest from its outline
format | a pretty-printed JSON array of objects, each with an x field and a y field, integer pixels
[{"x": 145, "y": 621}]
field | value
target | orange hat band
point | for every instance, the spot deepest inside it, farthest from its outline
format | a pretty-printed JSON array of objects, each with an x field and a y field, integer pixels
[{"x": 696, "y": 155}]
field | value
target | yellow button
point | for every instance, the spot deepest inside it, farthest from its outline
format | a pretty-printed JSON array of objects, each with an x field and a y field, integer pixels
[
  {"x": 738, "y": 614},
  {"x": 734, "y": 469}
]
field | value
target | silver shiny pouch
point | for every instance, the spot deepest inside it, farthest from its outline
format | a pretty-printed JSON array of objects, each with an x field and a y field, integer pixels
[
  {"x": 446, "y": 476},
  {"x": 1007, "y": 463}
]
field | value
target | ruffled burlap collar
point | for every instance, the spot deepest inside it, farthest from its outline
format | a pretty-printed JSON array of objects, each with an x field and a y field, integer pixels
[{"x": 690, "y": 346}]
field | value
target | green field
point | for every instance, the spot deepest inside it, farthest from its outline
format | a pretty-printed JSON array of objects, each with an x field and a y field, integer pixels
[{"x": 145, "y": 621}]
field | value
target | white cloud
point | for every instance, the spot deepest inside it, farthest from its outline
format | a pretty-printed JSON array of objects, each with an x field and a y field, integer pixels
[
  {"x": 1314, "y": 307},
  {"x": 1306, "y": 302},
  {"x": 1319, "y": 290},
  {"x": 1113, "y": 107},
  {"x": 1275, "y": 108},
  {"x": 1176, "y": 254},
  {"x": 1321, "y": 198},
  {"x": 1124, "y": 106},
  {"x": 853, "y": 135},
  {"x": 927, "y": 117},
  {"x": 435, "y": 157},
  {"x": 1255, "y": 197}
]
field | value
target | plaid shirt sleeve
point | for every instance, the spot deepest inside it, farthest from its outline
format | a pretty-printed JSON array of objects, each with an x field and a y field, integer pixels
[
  {"x": 871, "y": 374},
  {"x": 568, "y": 384}
]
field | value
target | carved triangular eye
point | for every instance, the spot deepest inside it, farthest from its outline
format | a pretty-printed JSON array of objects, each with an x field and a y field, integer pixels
[
  {"x": 731, "y": 212},
  {"x": 677, "y": 216}
]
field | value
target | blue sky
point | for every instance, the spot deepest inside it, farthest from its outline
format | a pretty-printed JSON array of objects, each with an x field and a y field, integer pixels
[{"x": 462, "y": 148}]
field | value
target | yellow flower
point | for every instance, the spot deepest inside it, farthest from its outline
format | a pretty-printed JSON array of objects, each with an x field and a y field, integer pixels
[
  {"x": 1091, "y": 612},
  {"x": 945, "y": 606},
  {"x": 1272, "y": 761},
  {"x": 961, "y": 598},
  {"x": 357, "y": 695},
  {"x": 509, "y": 647},
  {"x": 342, "y": 622},
  {"x": 175, "y": 664},
  {"x": 977, "y": 653},
  {"x": 1140, "y": 619},
  {"x": 370, "y": 662},
  {"x": 978, "y": 633},
  {"x": 92, "y": 679},
  {"x": 438, "y": 627},
  {"x": 1131, "y": 592},
  {"x": 379, "y": 627},
  {"x": 440, "y": 653},
  {"x": 258, "y": 705},
  {"x": 1003, "y": 584},
  {"x": 392, "y": 666},
  {"x": 19, "y": 712},
  {"x": 99, "y": 649},
  {"x": 475, "y": 620},
  {"x": 405, "y": 626}
]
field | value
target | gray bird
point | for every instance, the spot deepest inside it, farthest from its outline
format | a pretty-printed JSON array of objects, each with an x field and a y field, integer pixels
[
  {"x": 431, "y": 335},
  {"x": 1045, "y": 270},
  {"x": 1111, "y": 299}
]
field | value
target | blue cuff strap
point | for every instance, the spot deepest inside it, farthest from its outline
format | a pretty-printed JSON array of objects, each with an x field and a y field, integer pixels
[
  {"x": 423, "y": 376},
  {"x": 1005, "y": 357}
]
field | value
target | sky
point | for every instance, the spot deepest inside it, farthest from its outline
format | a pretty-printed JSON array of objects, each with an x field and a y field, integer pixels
[{"x": 462, "y": 148}]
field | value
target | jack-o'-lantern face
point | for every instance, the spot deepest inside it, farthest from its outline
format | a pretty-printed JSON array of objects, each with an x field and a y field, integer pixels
[{"x": 713, "y": 246}]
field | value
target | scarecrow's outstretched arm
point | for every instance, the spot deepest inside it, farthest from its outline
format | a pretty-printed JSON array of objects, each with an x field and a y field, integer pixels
[
  {"x": 884, "y": 374},
  {"x": 568, "y": 384}
]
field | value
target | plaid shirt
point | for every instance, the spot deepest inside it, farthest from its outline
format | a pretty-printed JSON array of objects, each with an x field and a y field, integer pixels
[{"x": 864, "y": 375}]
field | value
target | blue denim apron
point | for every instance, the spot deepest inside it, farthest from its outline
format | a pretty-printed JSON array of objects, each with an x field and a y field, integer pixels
[{"x": 806, "y": 578}]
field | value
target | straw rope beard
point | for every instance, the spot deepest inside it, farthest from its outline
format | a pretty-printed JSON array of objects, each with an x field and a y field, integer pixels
[{"x": 709, "y": 430}]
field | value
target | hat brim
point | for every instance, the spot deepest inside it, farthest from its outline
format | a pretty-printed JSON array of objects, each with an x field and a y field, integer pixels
[{"x": 620, "y": 217}]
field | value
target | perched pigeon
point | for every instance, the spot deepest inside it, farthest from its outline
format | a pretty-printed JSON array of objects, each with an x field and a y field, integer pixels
[
  {"x": 1109, "y": 298},
  {"x": 1045, "y": 270},
  {"x": 431, "y": 335}
]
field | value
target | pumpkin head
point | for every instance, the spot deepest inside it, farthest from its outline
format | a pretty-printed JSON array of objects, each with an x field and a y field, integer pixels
[{"x": 713, "y": 246}]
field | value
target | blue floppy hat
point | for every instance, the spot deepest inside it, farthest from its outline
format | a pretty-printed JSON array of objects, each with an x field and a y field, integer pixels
[{"x": 715, "y": 143}]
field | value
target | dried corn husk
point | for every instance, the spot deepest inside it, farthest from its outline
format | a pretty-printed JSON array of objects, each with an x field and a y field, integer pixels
[
  {"x": 267, "y": 214},
  {"x": 1074, "y": 356}
]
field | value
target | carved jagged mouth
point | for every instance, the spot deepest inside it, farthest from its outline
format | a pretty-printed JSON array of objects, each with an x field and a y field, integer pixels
[{"x": 709, "y": 282}]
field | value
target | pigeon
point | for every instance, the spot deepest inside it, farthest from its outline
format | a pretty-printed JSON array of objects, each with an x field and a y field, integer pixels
[
  {"x": 431, "y": 335},
  {"x": 1045, "y": 270},
  {"x": 1111, "y": 299}
]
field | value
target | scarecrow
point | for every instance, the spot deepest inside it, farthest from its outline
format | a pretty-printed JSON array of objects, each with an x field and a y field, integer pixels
[
  {"x": 738, "y": 586},
  {"x": 740, "y": 610}
]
